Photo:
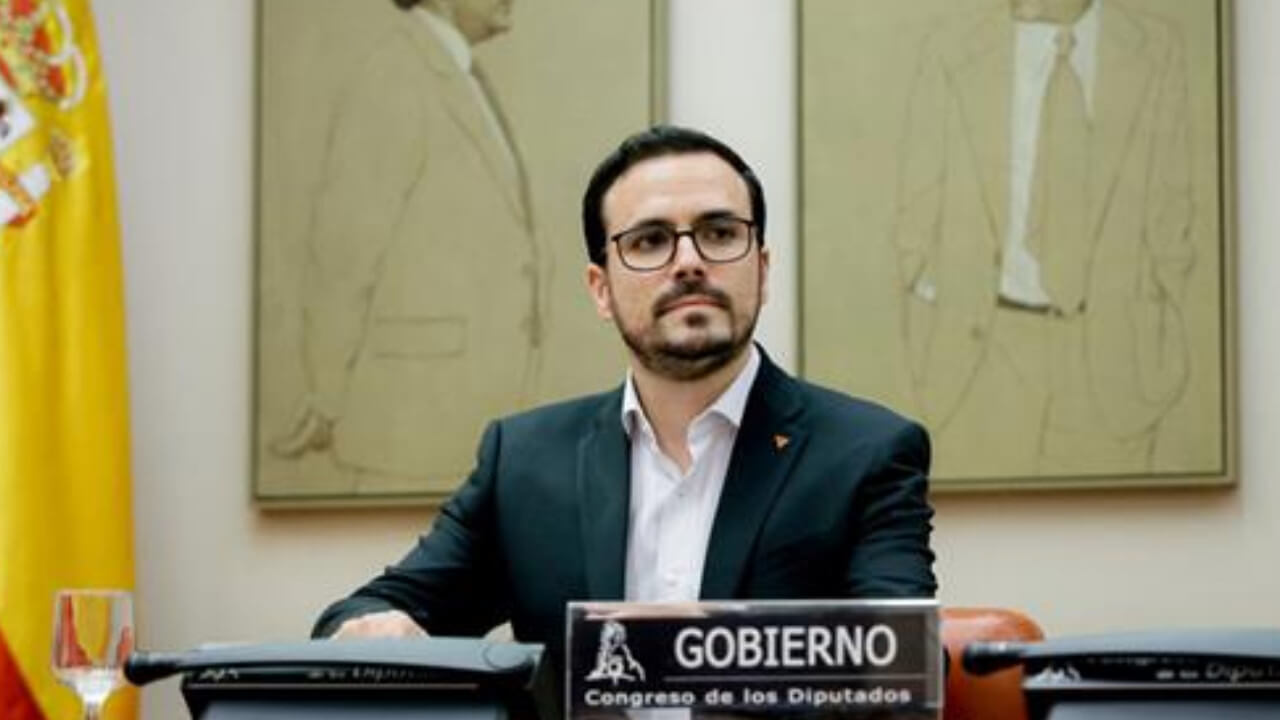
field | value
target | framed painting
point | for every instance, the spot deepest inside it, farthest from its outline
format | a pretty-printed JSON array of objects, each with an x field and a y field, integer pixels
[
  {"x": 419, "y": 261},
  {"x": 1017, "y": 228}
]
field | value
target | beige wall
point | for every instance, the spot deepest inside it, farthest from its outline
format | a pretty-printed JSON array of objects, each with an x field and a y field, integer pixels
[{"x": 211, "y": 567}]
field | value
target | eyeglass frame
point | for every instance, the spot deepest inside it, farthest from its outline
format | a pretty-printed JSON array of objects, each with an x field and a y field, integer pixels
[{"x": 689, "y": 231}]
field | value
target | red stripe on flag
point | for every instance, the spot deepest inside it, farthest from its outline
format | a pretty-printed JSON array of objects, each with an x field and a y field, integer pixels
[{"x": 16, "y": 702}]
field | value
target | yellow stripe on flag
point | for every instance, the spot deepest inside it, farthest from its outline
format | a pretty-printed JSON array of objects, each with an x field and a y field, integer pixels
[{"x": 65, "y": 508}]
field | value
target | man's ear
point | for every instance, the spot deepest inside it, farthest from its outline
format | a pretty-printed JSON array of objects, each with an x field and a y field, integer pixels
[
  {"x": 764, "y": 275},
  {"x": 598, "y": 286}
]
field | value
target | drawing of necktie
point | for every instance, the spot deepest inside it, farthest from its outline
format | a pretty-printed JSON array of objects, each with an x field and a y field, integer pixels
[{"x": 1060, "y": 200}]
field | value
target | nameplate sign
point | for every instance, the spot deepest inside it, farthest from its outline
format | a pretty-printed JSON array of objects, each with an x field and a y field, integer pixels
[{"x": 844, "y": 657}]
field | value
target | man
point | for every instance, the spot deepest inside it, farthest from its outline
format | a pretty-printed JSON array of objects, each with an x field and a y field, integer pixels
[
  {"x": 1044, "y": 228},
  {"x": 422, "y": 200},
  {"x": 709, "y": 474}
]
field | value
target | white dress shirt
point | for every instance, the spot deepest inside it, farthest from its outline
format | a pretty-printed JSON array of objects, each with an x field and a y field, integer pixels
[
  {"x": 1035, "y": 52},
  {"x": 672, "y": 511}
]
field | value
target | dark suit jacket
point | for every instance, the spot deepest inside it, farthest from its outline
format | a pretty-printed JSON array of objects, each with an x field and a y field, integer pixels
[{"x": 825, "y": 497}]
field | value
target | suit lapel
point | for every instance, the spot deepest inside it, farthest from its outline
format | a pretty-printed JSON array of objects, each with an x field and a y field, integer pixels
[
  {"x": 463, "y": 106},
  {"x": 1122, "y": 85},
  {"x": 604, "y": 497},
  {"x": 984, "y": 92},
  {"x": 764, "y": 452},
  {"x": 522, "y": 175}
]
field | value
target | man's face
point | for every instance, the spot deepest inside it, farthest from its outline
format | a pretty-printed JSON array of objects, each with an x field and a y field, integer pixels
[
  {"x": 689, "y": 317},
  {"x": 479, "y": 20}
]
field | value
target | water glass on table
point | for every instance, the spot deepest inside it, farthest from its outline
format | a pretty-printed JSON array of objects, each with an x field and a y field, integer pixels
[{"x": 92, "y": 637}]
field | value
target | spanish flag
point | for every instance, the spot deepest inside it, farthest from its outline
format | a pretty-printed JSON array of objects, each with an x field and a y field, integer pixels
[{"x": 65, "y": 507}]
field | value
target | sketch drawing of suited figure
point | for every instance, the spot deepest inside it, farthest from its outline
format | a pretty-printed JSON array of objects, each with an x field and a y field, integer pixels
[
  {"x": 1045, "y": 208},
  {"x": 421, "y": 307}
]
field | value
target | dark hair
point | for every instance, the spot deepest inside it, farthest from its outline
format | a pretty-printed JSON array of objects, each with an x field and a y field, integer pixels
[
  {"x": 405, "y": 4},
  {"x": 655, "y": 142}
]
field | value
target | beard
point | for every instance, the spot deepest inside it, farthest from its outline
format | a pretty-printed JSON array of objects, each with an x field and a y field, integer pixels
[{"x": 696, "y": 357}]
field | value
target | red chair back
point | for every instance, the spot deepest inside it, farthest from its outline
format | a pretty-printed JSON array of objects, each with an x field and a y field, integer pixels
[{"x": 992, "y": 697}]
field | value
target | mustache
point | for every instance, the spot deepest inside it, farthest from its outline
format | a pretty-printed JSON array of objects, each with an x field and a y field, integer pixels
[{"x": 687, "y": 288}]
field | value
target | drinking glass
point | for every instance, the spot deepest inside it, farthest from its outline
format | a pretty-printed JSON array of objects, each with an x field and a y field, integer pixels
[{"x": 92, "y": 637}]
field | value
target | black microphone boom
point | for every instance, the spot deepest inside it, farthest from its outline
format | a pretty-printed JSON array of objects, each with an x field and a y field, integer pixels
[
  {"x": 146, "y": 667},
  {"x": 984, "y": 658}
]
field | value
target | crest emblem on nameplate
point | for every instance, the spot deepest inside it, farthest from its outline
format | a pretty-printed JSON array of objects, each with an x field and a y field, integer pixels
[{"x": 614, "y": 661}]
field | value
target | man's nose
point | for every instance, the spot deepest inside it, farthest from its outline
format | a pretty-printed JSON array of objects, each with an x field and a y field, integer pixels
[{"x": 687, "y": 260}]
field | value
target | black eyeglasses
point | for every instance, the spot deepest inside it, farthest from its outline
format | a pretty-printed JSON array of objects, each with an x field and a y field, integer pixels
[{"x": 717, "y": 239}]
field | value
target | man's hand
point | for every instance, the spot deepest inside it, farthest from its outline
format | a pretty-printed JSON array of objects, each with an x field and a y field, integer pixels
[
  {"x": 388, "y": 623},
  {"x": 309, "y": 432}
]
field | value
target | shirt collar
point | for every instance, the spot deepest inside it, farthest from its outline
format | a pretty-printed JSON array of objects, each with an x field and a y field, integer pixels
[
  {"x": 1084, "y": 58},
  {"x": 730, "y": 405},
  {"x": 452, "y": 39}
]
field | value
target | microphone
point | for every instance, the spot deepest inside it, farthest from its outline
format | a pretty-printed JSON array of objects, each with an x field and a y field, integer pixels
[
  {"x": 425, "y": 660},
  {"x": 141, "y": 668},
  {"x": 984, "y": 658}
]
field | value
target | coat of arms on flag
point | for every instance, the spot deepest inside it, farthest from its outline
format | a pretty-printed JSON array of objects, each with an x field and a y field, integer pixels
[{"x": 42, "y": 74}]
